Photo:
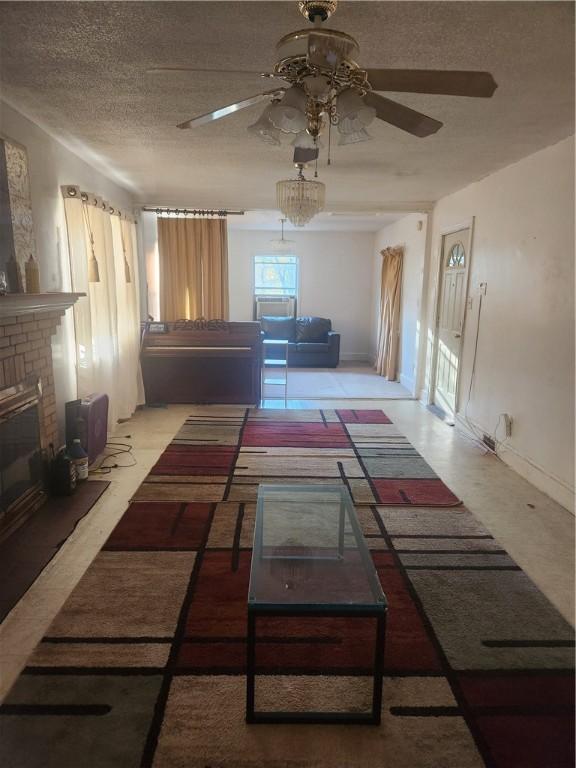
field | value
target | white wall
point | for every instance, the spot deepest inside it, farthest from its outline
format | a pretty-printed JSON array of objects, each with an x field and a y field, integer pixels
[
  {"x": 523, "y": 247},
  {"x": 52, "y": 165},
  {"x": 410, "y": 232},
  {"x": 335, "y": 280}
]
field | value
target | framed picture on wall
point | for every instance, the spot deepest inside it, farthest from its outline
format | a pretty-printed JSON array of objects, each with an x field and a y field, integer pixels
[{"x": 16, "y": 230}]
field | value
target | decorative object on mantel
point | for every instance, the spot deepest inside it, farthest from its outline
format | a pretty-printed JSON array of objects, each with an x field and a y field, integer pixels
[
  {"x": 16, "y": 229},
  {"x": 32, "y": 276},
  {"x": 3, "y": 283},
  {"x": 14, "y": 275}
]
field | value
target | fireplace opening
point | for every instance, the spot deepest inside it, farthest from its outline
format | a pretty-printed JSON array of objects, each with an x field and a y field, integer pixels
[{"x": 21, "y": 455}]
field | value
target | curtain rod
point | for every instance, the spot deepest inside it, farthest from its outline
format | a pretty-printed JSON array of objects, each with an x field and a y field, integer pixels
[
  {"x": 73, "y": 191},
  {"x": 193, "y": 211}
]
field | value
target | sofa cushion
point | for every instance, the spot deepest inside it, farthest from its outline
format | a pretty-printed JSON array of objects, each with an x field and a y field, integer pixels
[
  {"x": 278, "y": 327},
  {"x": 312, "y": 329}
]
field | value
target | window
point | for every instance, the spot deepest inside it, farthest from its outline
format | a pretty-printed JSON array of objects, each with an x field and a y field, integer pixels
[
  {"x": 276, "y": 276},
  {"x": 457, "y": 256}
]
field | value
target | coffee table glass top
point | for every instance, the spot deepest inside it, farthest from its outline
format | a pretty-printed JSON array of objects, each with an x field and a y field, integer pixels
[{"x": 309, "y": 552}]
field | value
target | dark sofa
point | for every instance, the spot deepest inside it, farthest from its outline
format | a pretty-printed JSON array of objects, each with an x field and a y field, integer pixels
[{"x": 312, "y": 342}]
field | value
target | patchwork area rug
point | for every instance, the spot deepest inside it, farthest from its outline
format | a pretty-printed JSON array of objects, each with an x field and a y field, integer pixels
[{"x": 144, "y": 665}]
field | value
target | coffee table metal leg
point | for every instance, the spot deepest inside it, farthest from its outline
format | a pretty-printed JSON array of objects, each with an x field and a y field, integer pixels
[
  {"x": 373, "y": 718},
  {"x": 250, "y": 666},
  {"x": 378, "y": 668}
]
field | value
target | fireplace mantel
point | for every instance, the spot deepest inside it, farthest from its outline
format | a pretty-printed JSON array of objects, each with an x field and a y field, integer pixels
[{"x": 17, "y": 304}]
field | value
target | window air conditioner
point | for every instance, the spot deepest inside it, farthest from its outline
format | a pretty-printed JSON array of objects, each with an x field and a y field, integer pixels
[{"x": 275, "y": 306}]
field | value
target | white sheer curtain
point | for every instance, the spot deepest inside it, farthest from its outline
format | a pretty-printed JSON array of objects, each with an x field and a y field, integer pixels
[
  {"x": 130, "y": 388},
  {"x": 107, "y": 321}
]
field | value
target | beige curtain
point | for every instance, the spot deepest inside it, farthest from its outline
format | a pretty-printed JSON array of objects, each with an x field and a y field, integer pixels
[
  {"x": 193, "y": 255},
  {"x": 389, "y": 329}
]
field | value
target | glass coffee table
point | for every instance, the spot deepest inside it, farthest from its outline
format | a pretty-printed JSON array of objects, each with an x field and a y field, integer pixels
[{"x": 310, "y": 559}]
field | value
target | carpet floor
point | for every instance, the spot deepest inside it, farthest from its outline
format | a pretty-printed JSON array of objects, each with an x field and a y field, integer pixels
[{"x": 145, "y": 663}]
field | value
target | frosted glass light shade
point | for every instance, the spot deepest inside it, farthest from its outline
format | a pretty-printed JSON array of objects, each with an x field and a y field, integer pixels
[
  {"x": 354, "y": 138},
  {"x": 353, "y": 113},
  {"x": 305, "y": 141},
  {"x": 264, "y": 129},
  {"x": 282, "y": 246},
  {"x": 300, "y": 200},
  {"x": 289, "y": 115}
]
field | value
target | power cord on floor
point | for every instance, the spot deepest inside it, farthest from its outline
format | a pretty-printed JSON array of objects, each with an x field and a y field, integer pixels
[{"x": 119, "y": 449}]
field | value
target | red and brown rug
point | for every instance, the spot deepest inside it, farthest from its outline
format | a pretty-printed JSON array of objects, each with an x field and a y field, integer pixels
[{"x": 144, "y": 665}]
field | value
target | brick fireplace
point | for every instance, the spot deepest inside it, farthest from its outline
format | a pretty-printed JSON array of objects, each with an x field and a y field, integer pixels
[{"x": 27, "y": 324}]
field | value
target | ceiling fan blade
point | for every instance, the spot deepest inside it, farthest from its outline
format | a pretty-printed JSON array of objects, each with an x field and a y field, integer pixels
[
  {"x": 402, "y": 117},
  {"x": 229, "y": 109},
  {"x": 447, "y": 82},
  {"x": 246, "y": 72}
]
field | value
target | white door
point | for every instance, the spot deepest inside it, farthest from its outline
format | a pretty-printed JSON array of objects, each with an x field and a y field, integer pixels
[{"x": 450, "y": 317}]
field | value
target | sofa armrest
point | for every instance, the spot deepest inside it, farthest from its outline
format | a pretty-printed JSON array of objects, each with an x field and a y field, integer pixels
[
  {"x": 333, "y": 349},
  {"x": 333, "y": 340}
]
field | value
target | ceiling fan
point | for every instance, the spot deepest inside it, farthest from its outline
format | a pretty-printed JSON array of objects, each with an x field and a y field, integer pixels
[{"x": 322, "y": 82}]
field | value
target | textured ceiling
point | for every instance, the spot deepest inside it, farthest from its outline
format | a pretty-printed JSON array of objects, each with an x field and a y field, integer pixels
[
  {"x": 78, "y": 69},
  {"x": 323, "y": 222}
]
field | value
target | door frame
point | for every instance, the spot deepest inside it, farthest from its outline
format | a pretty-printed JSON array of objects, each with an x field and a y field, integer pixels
[{"x": 467, "y": 224}]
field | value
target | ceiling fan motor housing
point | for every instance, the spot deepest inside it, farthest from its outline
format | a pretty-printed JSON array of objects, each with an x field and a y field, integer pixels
[{"x": 313, "y": 52}]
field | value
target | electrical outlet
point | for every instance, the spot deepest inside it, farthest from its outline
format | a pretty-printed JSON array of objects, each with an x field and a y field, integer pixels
[
  {"x": 507, "y": 424},
  {"x": 489, "y": 442}
]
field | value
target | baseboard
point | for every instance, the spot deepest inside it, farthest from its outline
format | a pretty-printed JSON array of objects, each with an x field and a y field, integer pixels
[
  {"x": 424, "y": 396},
  {"x": 408, "y": 382},
  {"x": 546, "y": 482},
  {"x": 355, "y": 357}
]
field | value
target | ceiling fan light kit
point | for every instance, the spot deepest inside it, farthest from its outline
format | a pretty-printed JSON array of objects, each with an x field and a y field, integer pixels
[
  {"x": 264, "y": 129},
  {"x": 289, "y": 114},
  {"x": 354, "y": 114},
  {"x": 324, "y": 86}
]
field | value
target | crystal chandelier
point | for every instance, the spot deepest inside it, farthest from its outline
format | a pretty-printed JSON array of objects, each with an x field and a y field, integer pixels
[{"x": 300, "y": 199}]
